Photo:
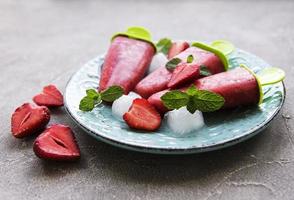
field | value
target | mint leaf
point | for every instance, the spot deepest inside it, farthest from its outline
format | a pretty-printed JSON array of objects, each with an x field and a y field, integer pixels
[
  {"x": 192, "y": 90},
  {"x": 203, "y": 100},
  {"x": 93, "y": 98},
  {"x": 112, "y": 93},
  {"x": 87, "y": 104},
  {"x": 207, "y": 101},
  {"x": 204, "y": 71},
  {"x": 172, "y": 64},
  {"x": 191, "y": 106},
  {"x": 93, "y": 94},
  {"x": 163, "y": 45},
  {"x": 190, "y": 59},
  {"x": 175, "y": 99},
  {"x": 193, "y": 99}
]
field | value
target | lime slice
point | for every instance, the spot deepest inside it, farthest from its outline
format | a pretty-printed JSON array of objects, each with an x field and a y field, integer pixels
[
  {"x": 267, "y": 76},
  {"x": 270, "y": 75},
  {"x": 217, "y": 52},
  {"x": 258, "y": 82},
  {"x": 224, "y": 46},
  {"x": 139, "y": 32},
  {"x": 136, "y": 32}
]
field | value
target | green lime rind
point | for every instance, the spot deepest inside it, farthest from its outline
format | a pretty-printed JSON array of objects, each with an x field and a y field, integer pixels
[
  {"x": 224, "y": 46},
  {"x": 217, "y": 52},
  {"x": 270, "y": 75},
  {"x": 258, "y": 83},
  {"x": 136, "y": 32}
]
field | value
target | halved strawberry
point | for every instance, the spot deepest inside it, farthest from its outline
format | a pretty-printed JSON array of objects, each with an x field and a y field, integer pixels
[
  {"x": 50, "y": 97},
  {"x": 57, "y": 142},
  {"x": 28, "y": 119},
  {"x": 176, "y": 48},
  {"x": 184, "y": 73},
  {"x": 143, "y": 116}
]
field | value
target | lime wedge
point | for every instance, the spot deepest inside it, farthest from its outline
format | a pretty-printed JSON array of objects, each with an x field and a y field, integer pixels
[
  {"x": 139, "y": 32},
  {"x": 214, "y": 50},
  {"x": 136, "y": 32},
  {"x": 224, "y": 46},
  {"x": 267, "y": 76},
  {"x": 270, "y": 75}
]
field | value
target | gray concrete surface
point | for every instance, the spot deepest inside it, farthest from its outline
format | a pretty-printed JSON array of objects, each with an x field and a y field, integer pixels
[{"x": 45, "y": 41}]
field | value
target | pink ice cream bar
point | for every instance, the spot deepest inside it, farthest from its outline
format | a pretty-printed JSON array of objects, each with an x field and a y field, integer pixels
[
  {"x": 238, "y": 86},
  {"x": 125, "y": 63}
]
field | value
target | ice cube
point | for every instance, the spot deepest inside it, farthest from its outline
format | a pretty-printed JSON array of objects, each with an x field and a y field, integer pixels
[
  {"x": 181, "y": 121},
  {"x": 121, "y": 105},
  {"x": 158, "y": 60}
]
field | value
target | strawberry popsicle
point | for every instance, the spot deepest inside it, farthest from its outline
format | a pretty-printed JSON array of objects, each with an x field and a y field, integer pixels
[
  {"x": 238, "y": 86},
  {"x": 159, "y": 79},
  {"x": 126, "y": 63}
]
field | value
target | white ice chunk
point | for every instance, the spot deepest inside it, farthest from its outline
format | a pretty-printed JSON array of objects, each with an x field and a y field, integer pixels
[
  {"x": 134, "y": 94},
  {"x": 121, "y": 105},
  {"x": 157, "y": 61},
  {"x": 181, "y": 121}
]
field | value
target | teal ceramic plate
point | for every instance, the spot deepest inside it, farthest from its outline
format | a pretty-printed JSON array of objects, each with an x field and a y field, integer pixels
[{"x": 222, "y": 129}]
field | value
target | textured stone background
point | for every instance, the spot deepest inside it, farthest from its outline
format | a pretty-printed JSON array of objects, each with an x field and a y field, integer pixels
[{"x": 45, "y": 41}]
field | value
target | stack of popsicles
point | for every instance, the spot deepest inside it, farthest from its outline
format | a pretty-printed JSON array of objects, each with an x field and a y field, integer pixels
[{"x": 128, "y": 59}]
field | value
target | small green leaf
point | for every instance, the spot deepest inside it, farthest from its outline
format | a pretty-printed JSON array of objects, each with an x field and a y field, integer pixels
[
  {"x": 207, "y": 101},
  {"x": 172, "y": 64},
  {"x": 191, "y": 106},
  {"x": 87, "y": 104},
  {"x": 192, "y": 90},
  {"x": 112, "y": 93},
  {"x": 163, "y": 45},
  {"x": 204, "y": 71},
  {"x": 175, "y": 99},
  {"x": 93, "y": 94},
  {"x": 190, "y": 59}
]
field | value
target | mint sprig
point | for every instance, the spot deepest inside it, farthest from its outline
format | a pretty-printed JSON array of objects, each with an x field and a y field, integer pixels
[
  {"x": 193, "y": 99},
  {"x": 112, "y": 93},
  {"x": 94, "y": 98},
  {"x": 190, "y": 59},
  {"x": 175, "y": 99},
  {"x": 93, "y": 94},
  {"x": 172, "y": 64},
  {"x": 204, "y": 71},
  {"x": 87, "y": 104},
  {"x": 163, "y": 45}
]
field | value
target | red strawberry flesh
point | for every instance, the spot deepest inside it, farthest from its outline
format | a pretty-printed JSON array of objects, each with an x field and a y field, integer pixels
[
  {"x": 28, "y": 119},
  {"x": 143, "y": 116},
  {"x": 154, "y": 82},
  {"x": 57, "y": 143},
  {"x": 50, "y": 97},
  {"x": 176, "y": 48},
  {"x": 184, "y": 73}
]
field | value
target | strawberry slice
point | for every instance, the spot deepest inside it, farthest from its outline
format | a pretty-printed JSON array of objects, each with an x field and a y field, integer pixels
[
  {"x": 184, "y": 73},
  {"x": 50, "y": 97},
  {"x": 176, "y": 48},
  {"x": 57, "y": 142},
  {"x": 28, "y": 119},
  {"x": 142, "y": 115}
]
